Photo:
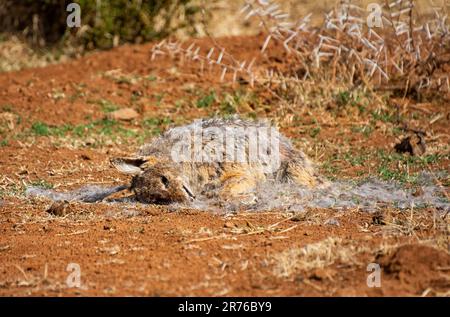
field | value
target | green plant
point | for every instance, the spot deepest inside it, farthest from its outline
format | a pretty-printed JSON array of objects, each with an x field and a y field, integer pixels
[
  {"x": 314, "y": 132},
  {"x": 106, "y": 105},
  {"x": 206, "y": 101},
  {"x": 7, "y": 108},
  {"x": 343, "y": 98},
  {"x": 392, "y": 174},
  {"x": 151, "y": 78},
  {"x": 355, "y": 159},
  {"x": 383, "y": 115},
  {"x": 40, "y": 128},
  {"x": 42, "y": 183},
  {"x": 366, "y": 130}
]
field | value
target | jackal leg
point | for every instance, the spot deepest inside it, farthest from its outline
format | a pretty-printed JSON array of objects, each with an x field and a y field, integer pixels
[{"x": 239, "y": 183}]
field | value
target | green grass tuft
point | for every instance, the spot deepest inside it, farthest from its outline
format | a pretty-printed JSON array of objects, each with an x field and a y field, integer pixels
[
  {"x": 207, "y": 101},
  {"x": 40, "y": 128},
  {"x": 42, "y": 183}
]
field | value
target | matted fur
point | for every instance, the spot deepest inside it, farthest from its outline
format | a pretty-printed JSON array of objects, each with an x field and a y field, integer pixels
[{"x": 158, "y": 177}]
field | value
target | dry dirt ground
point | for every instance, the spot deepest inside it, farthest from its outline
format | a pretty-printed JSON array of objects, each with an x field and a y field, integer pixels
[{"x": 57, "y": 131}]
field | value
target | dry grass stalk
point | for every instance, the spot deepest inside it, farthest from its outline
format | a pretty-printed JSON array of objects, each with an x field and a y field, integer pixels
[
  {"x": 314, "y": 255},
  {"x": 402, "y": 55}
]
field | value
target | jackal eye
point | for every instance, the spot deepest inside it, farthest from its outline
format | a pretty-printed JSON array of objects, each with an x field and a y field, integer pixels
[{"x": 165, "y": 181}]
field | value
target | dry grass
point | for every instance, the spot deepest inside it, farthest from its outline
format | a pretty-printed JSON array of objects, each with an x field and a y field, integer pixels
[
  {"x": 315, "y": 255},
  {"x": 429, "y": 228},
  {"x": 225, "y": 22},
  {"x": 407, "y": 54}
]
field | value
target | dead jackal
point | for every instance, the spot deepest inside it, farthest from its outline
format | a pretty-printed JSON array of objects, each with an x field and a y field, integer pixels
[{"x": 215, "y": 158}]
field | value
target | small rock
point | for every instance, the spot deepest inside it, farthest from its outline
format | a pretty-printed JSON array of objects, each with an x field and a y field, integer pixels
[
  {"x": 4, "y": 247},
  {"x": 229, "y": 224},
  {"x": 319, "y": 275},
  {"x": 130, "y": 213},
  {"x": 378, "y": 218},
  {"x": 413, "y": 144},
  {"x": 332, "y": 222},
  {"x": 296, "y": 208},
  {"x": 188, "y": 87},
  {"x": 60, "y": 208},
  {"x": 89, "y": 141},
  {"x": 297, "y": 218},
  {"x": 111, "y": 250},
  {"x": 8, "y": 119},
  {"x": 125, "y": 114}
]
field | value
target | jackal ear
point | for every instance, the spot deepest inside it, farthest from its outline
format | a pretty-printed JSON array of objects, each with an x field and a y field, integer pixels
[
  {"x": 133, "y": 165},
  {"x": 128, "y": 165}
]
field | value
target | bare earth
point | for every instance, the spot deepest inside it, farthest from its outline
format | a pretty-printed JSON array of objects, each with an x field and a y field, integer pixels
[{"x": 58, "y": 138}]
